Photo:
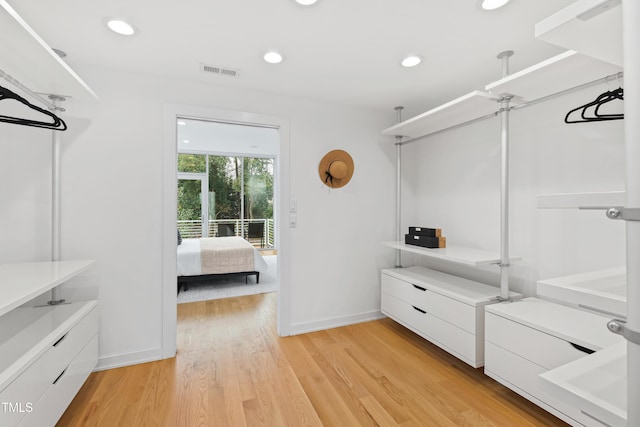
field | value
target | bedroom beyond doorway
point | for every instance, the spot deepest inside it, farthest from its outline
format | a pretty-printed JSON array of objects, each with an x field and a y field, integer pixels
[
  {"x": 226, "y": 180},
  {"x": 225, "y": 190}
]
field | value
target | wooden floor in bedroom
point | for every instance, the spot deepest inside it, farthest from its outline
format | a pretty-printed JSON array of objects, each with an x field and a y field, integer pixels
[{"x": 232, "y": 369}]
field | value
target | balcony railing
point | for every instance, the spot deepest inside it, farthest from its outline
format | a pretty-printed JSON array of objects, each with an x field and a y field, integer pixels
[{"x": 192, "y": 229}]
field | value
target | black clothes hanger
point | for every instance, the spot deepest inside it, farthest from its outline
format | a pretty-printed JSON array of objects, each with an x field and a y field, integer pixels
[
  {"x": 56, "y": 124},
  {"x": 595, "y": 116},
  {"x": 616, "y": 94}
]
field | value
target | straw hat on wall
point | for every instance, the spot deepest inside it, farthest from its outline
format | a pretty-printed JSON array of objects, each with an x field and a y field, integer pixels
[{"x": 336, "y": 168}]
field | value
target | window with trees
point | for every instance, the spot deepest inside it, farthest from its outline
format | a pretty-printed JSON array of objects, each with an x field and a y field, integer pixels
[{"x": 240, "y": 192}]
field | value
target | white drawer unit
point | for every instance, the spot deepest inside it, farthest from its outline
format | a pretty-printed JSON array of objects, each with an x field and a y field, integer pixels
[
  {"x": 46, "y": 352},
  {"x": 444, "y": 309},
  {"x": 529, "y": 337}
]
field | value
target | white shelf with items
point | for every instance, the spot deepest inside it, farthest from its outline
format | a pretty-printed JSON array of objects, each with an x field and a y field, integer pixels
[
  {"x": 26, "y": 56},
  {"x": 582, "y": 200},
  {"x": 591, "y": 27},
  {"x": 564, "y": 71},
  {"x": 457, "y": 254},
  {"x": 469, "y": 107},
  {"x": 22, "y": 282}
]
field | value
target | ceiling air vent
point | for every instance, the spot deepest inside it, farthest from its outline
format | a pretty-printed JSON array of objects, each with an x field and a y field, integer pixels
[{"x": 221, "y": 71}]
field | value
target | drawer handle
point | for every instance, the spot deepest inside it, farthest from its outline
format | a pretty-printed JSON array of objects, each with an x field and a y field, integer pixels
[
  {"x": 60, "y": 376},
  {"x": 419, "y": 287},
  {"x": 582, "y": 349},
  {"x": 55, "y": 344},
  {"x": 419, "y": 309}
]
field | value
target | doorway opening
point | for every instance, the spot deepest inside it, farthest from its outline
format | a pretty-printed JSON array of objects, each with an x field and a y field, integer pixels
[
  {"x": 173, "y": 114},
  {"x": 225, "y": 209}
]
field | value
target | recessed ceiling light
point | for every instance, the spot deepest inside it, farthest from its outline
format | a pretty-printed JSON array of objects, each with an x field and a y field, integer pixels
[
  {"x": 411, "y": 61},
  {"x": 121, "y": 27},
  {"x": 273, "y": 57},
  {"x": 185, "y": 141},
  {"x": 181, "y": 123},
  {"x": 493, "y": 4},
  {"x": 306, "y": 2}
]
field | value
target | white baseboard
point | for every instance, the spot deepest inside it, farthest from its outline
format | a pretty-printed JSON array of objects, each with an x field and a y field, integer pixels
[
  {"x": 110, "y": 362},
  {"x": 336, "y": 322}
]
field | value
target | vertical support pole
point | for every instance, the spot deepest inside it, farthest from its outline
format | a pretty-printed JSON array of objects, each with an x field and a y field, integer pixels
[
  {"x": 504, "y": 183},
  {"x": 399, "y": 188},
  {"x": 631, "y": 54},
  {"x": 56, "y": 200},
  {"x": 504, "y": 200}
]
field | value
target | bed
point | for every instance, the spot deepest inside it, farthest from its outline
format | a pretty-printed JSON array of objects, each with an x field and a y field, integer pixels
[{"x": 203, "y": 259}]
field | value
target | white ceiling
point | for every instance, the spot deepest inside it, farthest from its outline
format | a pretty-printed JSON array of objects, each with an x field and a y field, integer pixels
[{"x": 345, "y": 51}]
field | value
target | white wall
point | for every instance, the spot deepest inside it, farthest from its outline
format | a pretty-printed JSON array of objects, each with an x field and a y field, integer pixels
[
  {"x": 25, "y": 191},
  {"x": 112, "y": 204},
  {"x": 452, "y": 181}
]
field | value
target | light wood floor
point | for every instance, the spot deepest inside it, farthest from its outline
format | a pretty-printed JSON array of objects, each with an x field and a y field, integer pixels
[{"x": 233, "y": 370}]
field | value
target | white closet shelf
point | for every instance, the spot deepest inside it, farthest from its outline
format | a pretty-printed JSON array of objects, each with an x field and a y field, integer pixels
[
  {"x": 471, "y": 106},
  {"x": 25, "y": 56},
  {"x": 597, "y": 383},
  {"x": 591, "y": 27},
  {"x": 457, "y": 254},
  {"x": 582, "y": 200},
  {"x": 604, "y": 291},
  {"x": 22, "y": 282},
  {"x": 564, "y": 71}
]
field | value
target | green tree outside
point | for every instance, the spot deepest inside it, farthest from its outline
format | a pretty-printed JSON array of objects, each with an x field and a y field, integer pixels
[{"x": 225, "y": 182}]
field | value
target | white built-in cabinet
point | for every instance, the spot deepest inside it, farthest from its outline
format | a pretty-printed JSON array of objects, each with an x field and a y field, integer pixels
[
  {"x": 530, "y": 337},
  {"x": 444, "y": 309},
  {"x": 46, "y": 351}
]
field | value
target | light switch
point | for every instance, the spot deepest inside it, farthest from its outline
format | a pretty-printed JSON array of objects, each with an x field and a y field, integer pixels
[
  {"x": 294, "y": 206},
  {"x": 293, "y": 220}
]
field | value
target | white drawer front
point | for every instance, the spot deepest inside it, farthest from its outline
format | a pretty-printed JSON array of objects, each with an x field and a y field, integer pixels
[
  {"x": 452, "y": 311},
  {"x": 448, "y": 309},
  {"x": 538, "y": 347},
  {"x": 461, "y": 343},
  {"x": 37, "y": 378},
  {"x": 404, "y": 291},
  {"x": 403, "y": 312},
  {"x": 524, "y": 375},
  {"x": 48, "y": 410},
  {"x": 451, "y": 338}
]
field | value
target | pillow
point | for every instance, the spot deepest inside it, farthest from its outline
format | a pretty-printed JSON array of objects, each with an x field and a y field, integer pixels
[{"x": 179, "y": 238}]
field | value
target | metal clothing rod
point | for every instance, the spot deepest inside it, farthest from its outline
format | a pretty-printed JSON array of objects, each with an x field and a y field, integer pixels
[
  {"x": 488, "y": 116},
  {"x": 28, "y": 91},
  {"x": 606, "y": 79}
]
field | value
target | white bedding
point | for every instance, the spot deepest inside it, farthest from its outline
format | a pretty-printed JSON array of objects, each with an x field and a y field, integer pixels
[{"x": 189, "y": 261}]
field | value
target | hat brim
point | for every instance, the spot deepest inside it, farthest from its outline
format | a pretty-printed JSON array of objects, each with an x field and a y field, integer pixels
[{"x": 323, "y": 168}]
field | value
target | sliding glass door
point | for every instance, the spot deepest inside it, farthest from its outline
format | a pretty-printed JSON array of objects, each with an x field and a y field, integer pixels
[
  {"x": 226, "y": 196},
  {"x": 193, "y": 207},
  {"x": 258, "y": 200}
]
